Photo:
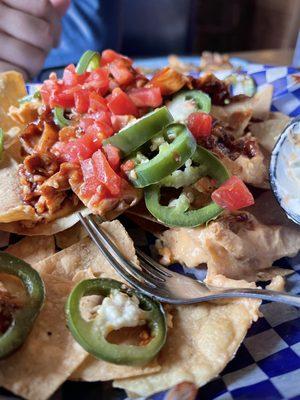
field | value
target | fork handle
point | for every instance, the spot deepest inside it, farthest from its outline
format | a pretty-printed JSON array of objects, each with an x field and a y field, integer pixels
[{"x": 263, "y": 294}]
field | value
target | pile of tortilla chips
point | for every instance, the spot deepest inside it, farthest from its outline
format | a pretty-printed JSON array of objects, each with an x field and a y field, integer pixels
[
  {"x": 201, "y": 341},
  {"x": 202, "y": 338}
]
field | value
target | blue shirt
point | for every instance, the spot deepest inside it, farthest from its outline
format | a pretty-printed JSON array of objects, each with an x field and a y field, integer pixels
[{"x": 134, "y": 27}]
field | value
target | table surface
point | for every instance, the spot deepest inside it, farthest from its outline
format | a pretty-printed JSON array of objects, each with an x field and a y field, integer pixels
[{"x": 267, "y": 56}]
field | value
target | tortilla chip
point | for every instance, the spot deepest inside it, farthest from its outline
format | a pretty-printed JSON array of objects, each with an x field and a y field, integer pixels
[
  {"x": 262, "y": 101},
  {"x": 81, "y": 261},
  {"x": 40, "y": 229},
  {"x": 11, "y": 206},
  {"x": 25, "y": 113},
  {"x": 11, "y": 137},
  {"x": 70, "y": 236},
  {"x": 205, "y": 337},
  {"x": 269, "y": 274},
  {"x": 235, "y": 115},
  {"x": 93, "y": 370},
  {"x": 50, "y": 354},
  {"x": 267, "y": 132},
  {"x": 32, "y": 250},
  {"x": 83, "y": 255},
  {"x": 46, "y": 359},
  {"x": 236, "y": 246},
  {"x": 12, "y": 88},
  {"x": 277, "y": 283},
  {"x": 254, "y": 170}
]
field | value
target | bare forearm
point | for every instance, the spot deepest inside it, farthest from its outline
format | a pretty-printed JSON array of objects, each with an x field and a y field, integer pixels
[{"x": 28, "y": 31}]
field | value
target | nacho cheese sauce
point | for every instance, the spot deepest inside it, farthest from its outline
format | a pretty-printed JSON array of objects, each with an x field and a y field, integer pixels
[{"x": 119, "y": 311}]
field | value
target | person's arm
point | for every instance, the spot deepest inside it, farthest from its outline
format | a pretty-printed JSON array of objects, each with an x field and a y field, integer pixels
[{"x": 28, "y": 31}]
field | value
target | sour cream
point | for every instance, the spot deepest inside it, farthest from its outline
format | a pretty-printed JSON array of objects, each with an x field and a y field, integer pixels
[
  {"x": 285, "y": 170},
  {"x": 119, "y": 311}
]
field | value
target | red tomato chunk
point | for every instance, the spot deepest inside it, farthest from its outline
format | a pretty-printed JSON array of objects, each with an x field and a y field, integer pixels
[
  {"x": 113, "y": 156},
  {"x": 146, "y": 97},
  {"x": 99, "y": 177},
  {"x": 233, "y": 195},
  {"x": 200, "y": 124},
  {"x": 79, "y": 149},
  {"x": 120, "y": 70},
  {"x": 121, "y": 104}
]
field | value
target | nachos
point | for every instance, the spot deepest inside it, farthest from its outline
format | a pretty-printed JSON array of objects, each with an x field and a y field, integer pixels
[{"x": 189, "y": 155}]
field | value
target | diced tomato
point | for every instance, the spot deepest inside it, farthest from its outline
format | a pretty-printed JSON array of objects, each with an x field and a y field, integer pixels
[
  {"x": 63, "y": 99},
  {"x": 97, "y": 103},
  {"x": 200, "y": 124},
  {"x": 119, "y": 121},
  {"x": 109, "y": 56},
  {"x": 146, "y": 97},
  {"x": 113, "y": 156},
  {"x": 102, "y": 116},
  {"x": 91, "y": 182},
  {"x": 45, "y": 94},
  {"x": 106, "y": 174},
  {"x": 79, "y": 149},
  {"x": 112, "y": 85},
  {"x": 49, "y": 87},
  {"x": 120, "y": 70},
  {"x": 54, "y": 94},
  {"x": 82, "y": 102},
  {"x": 90, "y": 118},
  {"x": 71, "y": 78},
  {"x": 86, "y": 121},
  {"x": 98, "y": 122},
  {"x": 100, "y": 128},
  {"x": 121, "y": 104},
  {"x": 98, "y": 80},
  {"x": 233, "y": 195}
]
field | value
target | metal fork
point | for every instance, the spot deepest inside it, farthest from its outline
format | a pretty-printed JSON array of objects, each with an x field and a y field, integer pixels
[{"x": 167, "y": 286}]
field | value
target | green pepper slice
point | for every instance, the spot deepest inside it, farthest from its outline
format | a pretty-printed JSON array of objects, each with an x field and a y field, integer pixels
[
  {"x": 180, "y": 214},
  {"x": 24, "y": 317},
  {"x": 59, "y": 117},
  {"x": 135, "y": 135},
  {"x": 30, "y": 97},
  {"x": 170, "y": 157},
  {"x": 89, "y": 61},
  {"x": 92, "y": 337},
  {"x": 187, "y": 102}
]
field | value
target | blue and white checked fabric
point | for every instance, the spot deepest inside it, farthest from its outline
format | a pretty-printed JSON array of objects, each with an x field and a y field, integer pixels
[{"x": 267, "y": 365}]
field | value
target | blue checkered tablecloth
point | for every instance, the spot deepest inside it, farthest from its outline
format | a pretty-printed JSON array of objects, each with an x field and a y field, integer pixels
[{"x": 267, "y": 365}]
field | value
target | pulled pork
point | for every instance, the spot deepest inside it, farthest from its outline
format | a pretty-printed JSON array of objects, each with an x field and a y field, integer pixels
[
  {"x": 242, "y": 156},
  {"x": 44, "y": 180},
  {"x": 54, "y": 188}
]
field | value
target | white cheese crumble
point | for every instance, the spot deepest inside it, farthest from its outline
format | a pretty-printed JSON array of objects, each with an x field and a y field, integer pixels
[
  {"x": 119, "y": 311},
  {"x": 181, "y": 108}
]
